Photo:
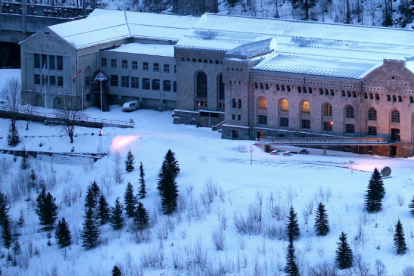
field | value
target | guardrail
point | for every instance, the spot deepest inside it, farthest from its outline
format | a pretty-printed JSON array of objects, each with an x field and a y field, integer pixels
[
  {"x": 56, "y": 117},
  {"x": 325, "y": 141}
]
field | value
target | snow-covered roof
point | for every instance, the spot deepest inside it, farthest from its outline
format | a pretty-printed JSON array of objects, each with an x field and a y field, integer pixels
[
  {"x": 146, "y": 49},
  {"x": 253, "y": 49},
  {"x": 320, "y": 48},
  {"x": 103, "y": 27}
]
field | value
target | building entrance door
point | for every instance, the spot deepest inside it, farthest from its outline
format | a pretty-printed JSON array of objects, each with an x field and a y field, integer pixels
[{"x": 395, "y": 134}]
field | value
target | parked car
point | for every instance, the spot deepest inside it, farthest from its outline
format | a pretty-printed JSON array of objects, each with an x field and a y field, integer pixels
[
  {"x": 287, "y": 153},
  {"x": 130, "y": 106},
  {"x": 275, "y": 152},
  {"x": 304, "y": 151}
]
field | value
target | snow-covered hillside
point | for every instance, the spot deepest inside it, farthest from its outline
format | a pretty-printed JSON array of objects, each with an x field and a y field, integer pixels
[{"x": 239, "y": 183}]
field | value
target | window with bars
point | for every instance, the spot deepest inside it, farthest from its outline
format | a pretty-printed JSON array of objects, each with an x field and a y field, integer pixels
[
  {"x": 306, "y": 124},
  {"x": 372, "y": 130},
  {"x": 395, "y": 116},
  {"x": 350, "y": 128},
  {"x": 372, "y": 114},
  {"x": 262, "y": 120},
  {"x": 327, "y": 109},
  {"x": 284, "y": 122},
  {"x": 350, "y": 112}
]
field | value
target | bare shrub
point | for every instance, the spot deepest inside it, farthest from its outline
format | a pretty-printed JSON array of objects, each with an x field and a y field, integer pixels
[
  {"x": 360, "y": 267},
  {"x": 178, "y": 258},
  {"x": 140, "y": 235},
  {"x": 210, "y": 191},
  {"x": 381, "y": 270},
  {"x": 305, "y": 214},
  {"x": 274, "y": 231},
  {"x": 408, "y": 271},
  {"x": 219, "y": 239},
  {"x": 400, "y": 199},
  {"x": 117, "y": 169},
  {"x": 276, "y": 210},
  {"x": 323, "y": 269},
  {"x": 153, "y": 258}
]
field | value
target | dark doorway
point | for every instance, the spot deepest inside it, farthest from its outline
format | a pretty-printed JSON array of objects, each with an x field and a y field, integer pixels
[
  {"x": 9, "y": 55},
  {"x": 393, "y": 151},
  {"x": 395, "y": 134},
  {"x": 235, "y": 134},
  {"x": 259, "y": 135}
]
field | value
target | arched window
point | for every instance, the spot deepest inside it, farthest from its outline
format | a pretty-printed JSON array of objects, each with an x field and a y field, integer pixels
[
  {"x": 284, "y": 105},
  {"x": 327, "y": 109},
  {"x": 365, "y": 96},
  {"x": 370, "y": 96},
  {"x": 377, "y": 97},
  {"x": 283, "y": 88},
  {"x": 411, "y": 100},
  {"x": 288, "y": 88},
  {"x": 320, "y": 91},
  {"x": 266, "y": 86},
  {"x": 350, "y": 112},
  {"x": 299, "y": 89},
  {"x": 304, "y": 90},
  {"x": 221, "y": 87},
  {"x": 262, "y": 103},
  {"x": 233, "y": 103},
  {"x": 394, "y": 99},
  {"x": 395, "y": 116},
  {"x": 399, "y": 98},
  {"x": 310, "y": 90},
  {"x": 239, "y": 103},
  {"x": 305, "y": 107},
  {"x": 348, "y": 93},
  {"x": 201, "y": 83},
  {"x": 372, "y": 114},
  {"x": 343, "y": 93},
  {"x": 388, "y": 98},
  {"x": 354, "y": 94},
  {"x": 277, "y": 87},
  {"x": 255, "y": 85},
  {"x": 326, "y": 92},
  {"x": 261, "y": 85},
  {"x": 332, "y": 92}
]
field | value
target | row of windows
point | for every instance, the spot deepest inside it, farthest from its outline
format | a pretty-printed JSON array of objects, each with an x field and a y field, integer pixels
[
  {"x": 327, "y": 110},
  {"x": 134, "y": 65},
  {"x": 235, "y": 104},
  {"x": 147, "y": 84},
  {"x": 233, "y": 117},
  {"x": 48, "y": 62},
  {"x": 201, "y": 60},
  {"x": 48, "y": 80}
]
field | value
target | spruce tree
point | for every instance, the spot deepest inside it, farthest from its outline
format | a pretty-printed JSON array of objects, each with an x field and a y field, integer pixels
[
  {"x": 321, "y": 221},
  {"x": 6, "y": 233},
  {"x": 4, "y": 208},
  {"x": 46, "y": 209},
  {"x": 142, "y": 186},
  {"x": 13, "y": 135},
  {"x": 292, "y": 227},
  {"x": 92, "y": 196},
  {"x": 304, "y": 5},
  {"x": 168, "y": 190},
  {"x": 291, "y": 266},
  {"x": 399, "y": 239},
  {"x": 344, "y": 258},
  {"x": 91, "y": 231},
  {"x": 117, "y": 216},
  {"x": 17, "y": 249},
  {"x": 375, "y": 193},
  {"x": 32, "y": 179},
  {"x": 24, "y": 165},
  {"x": 141, "y": 216},
  {"x": 103, "y": 210},
  {"x": 130, "y": 200},
  {"x": 116, "y": 271},
  {"x": 62, "y": 233},
  {"x": 411, "y": 206},
  {"x": 172, "y": 163},
  {"x": 129, "y": 162}
]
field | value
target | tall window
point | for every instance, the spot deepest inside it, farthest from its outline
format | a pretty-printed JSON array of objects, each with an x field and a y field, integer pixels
[
  {"x": 44, "y": 61},
  {"x": 52, "y": 62},
  {"x": 60, "y": 81},
  {"x": 60, "y": 63},
  {"x": 125, "y": 64},
  {"x": 146, "y": 84},
  {"x": 395, "y": 116},
  {"x": 327, "y": 109},
  {"x": 299, "y": 89},
  {"x": 201, "y": 85},
  {"x": 350, "y": 112},
  {"x": 262, "y": 120},
  {"x": 167, "y": 85},
  {"x": 372, "y": 114},
  {"x": 233, "y": 103},
  {"x": 114, "y": 80},
  {"x": 305, "y": 107},
  {"x": 262, "y": 103},
  {"x": 239, "y": 104},
  {"x": 36, "y": 60},
  {"x": 284, "y": 105},
  {"x": 113, "y": 63},
  {"x": 134, "y": 82},
  {"x": 155, "y": 84},
  {"x": 52, "y": 80},
  {"x": 221, "y": 87},
  {"x": 124, "y": 81},
  {"x": 175, "y": 86}
]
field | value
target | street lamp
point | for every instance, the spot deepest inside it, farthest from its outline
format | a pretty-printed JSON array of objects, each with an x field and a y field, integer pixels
[{"x": 100, "y": 134}]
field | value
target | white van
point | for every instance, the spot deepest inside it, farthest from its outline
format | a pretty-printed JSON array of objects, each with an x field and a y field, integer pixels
[{"x": 130, "y": 106}]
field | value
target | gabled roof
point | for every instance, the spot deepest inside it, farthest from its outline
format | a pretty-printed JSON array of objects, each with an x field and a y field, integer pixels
[{"x": 104, "y": 27}]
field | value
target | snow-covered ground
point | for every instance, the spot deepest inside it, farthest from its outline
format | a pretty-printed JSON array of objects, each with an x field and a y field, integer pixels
[{"x": 183, "y": 242}]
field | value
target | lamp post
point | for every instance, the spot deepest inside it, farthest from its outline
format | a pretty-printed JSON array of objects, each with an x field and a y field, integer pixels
[
  {"x": 101, "y": 77},
  {"x": 251, "y": 155},
  {"x": 352, "y": 169},
  {"x": 101, "y": 134}
]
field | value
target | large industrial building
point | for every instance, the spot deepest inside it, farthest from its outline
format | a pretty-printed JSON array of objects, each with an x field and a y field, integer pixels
[{"x": 252, "y": 77}]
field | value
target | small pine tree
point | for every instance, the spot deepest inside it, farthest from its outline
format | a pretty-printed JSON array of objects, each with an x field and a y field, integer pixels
[
  {"x": 6, "y": 234},
  {"x": 117, "y": 216},
  {"x": 24, "y": 164},
  {"x": 4, "y": 208},
  {"x": 375, "y": 193},
  {"x": 130, "y": 200},
  {"x": 142, "y": 186},
  {"x": 411, "y": 206},
  {"x": 129, "y": 162},
  {"x": 16, "y": 248},
  {"x": 92, "y": 196},
  {"x": 62, "y": 233},
  {"x": 141, "y": 216},
  {"x": 321, "y": 221},
  {"x": 46, "y": 209},
  {"x": 172, "y": 163},
  {"x": 399, "y": 239},
  {"x": 91, "y": 231},
  {"x": 116, "y": 271},
  {"x": 292, "y": 268},
  {"x": 292, "y": 227},
  {"x": 344, "y": 258},
  {"x": 13, "y": 135},
  {"x": 32, "y": 179},
  {"x": 20, "y": 222},
  {"x": 103, "y": 210},
  {"x": 168, "y": 190}
]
